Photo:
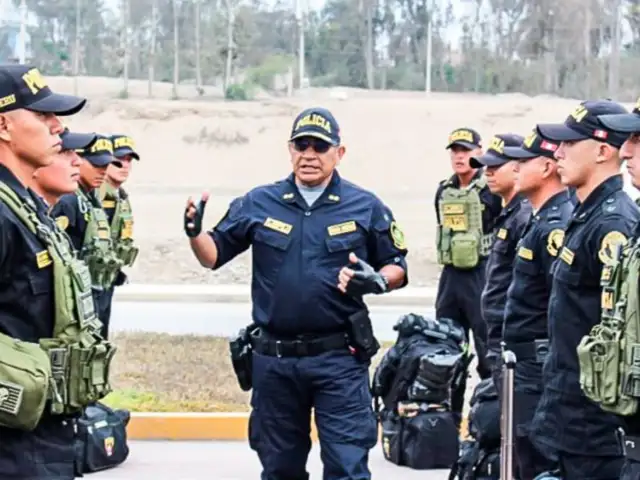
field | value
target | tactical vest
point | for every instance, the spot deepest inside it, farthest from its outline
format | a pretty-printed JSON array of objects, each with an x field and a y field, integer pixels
[
  {"x": 121, "y": 224},
  {"x": 97, "y": 247},
  {"x": 461, "y": 241},
  {"x": 70, "y": 370},
  {"x": 610, "y": 355}
]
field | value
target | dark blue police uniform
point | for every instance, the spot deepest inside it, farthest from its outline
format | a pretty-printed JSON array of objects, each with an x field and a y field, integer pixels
[
  {"x": 298, "y": 251},
  {"x": 459, "y": 290},
  {"x": 27, "y": 305},
  {"x": 568, "y": 427}
]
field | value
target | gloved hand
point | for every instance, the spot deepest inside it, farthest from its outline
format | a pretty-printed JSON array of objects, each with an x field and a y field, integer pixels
[
  {"x": 359, "y": 278},
  {"x": 193, "y": 216}
]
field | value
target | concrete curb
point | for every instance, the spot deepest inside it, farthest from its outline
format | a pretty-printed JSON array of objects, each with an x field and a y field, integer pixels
[
  {"x": 418, "y": 296},
  {"x": 200, "y": 426}
]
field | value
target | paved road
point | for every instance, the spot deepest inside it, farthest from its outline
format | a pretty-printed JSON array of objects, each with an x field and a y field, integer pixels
[
  {"x": 221, "y": 319},
  {"x": 230, "y": 461}
]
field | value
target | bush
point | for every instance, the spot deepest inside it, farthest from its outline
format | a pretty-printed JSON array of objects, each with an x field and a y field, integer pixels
[{"x": 238, "y": 92}]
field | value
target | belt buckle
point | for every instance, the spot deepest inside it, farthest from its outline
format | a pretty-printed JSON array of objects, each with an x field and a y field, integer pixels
[{"x": 278, "y": 348}]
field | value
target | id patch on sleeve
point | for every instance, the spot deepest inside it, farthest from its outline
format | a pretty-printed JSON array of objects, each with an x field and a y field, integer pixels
[
  {"x": 554, "y": 241},
  {"x": 609, "y": 246},
  {"x": 62, "y": 222},
  {"x": 397, "y": 235}
]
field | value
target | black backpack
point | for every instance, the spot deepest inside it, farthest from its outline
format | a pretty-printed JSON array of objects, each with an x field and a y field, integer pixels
[{"x": 101, "y": 442}]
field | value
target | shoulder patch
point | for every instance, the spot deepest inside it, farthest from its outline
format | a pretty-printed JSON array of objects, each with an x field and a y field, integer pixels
[
  {"x": 609, "y": 246},
  {"x": 62, "y": 222},
  {"x": 554, "y": 241},
  {"x": 397, "y": 235}
]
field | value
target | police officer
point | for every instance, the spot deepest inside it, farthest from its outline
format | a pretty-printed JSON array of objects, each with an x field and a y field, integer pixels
[
  {"x": 117, "y": 206},
  {"x": 525, "y": 316},
  {"x": 43, "y": 302},
  {"x": 507, "y": 229},
  {"x": 80, "y": 214},
  {"x": 62, "y": 176},
  {"x": 567, "y": 427},
  {"x": 311, "y": 235},
  {"x": 463, "y": 275}
]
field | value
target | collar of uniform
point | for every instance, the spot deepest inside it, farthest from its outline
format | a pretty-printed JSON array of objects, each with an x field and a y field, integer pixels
[
  {"x": 514, "y": 203},
  {"x": 7, "y": 177},
  {"x": 290, "y": 194},
  {"x": 455, "y": 180},
  {"x": 610, "y": 186},
  {"x": 40, "y": 202},
  {"x": 553, "y": 202}
]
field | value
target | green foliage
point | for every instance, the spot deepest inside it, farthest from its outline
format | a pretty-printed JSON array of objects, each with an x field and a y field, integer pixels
[
  {"x": 239, "y": 92},
  {"x": 264, "y": 74}
]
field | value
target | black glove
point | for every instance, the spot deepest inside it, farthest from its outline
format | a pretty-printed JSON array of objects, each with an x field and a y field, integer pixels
[
  {"x": 193, "y": 226},
  {"x": 365, "y": 280}
]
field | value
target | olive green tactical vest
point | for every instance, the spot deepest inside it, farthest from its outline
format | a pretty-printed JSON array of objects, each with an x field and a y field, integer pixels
[
  {"x": 121, "y": 224},
  {"x": 610, "y": 355},
  {"x": 97, "y": 247},
  {"x": 72, "y": 369},
  {"x": 460, "y": 240}
]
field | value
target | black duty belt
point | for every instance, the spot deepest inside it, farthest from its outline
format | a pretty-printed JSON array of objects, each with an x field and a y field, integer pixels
[
  {"x": 304, "y": 346},
  {"x": 632, "y": 448},
  {"x": 536, "y": 350}
]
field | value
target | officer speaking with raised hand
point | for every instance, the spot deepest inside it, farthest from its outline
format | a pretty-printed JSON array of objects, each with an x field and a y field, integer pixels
[
  {"x": 525, "y": 329},
  {"x": 48, "y": 329},
  {"x": 508, "y": 226},
  {"x": 466, "y": 211},
  {"x": 319, "y": 244},
  {"x": 568, "y": 428},
  {"x": 614, "y": 386}
]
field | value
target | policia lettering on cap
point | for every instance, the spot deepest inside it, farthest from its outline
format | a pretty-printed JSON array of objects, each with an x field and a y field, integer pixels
[
  {"x": 567, "y": 426},
  {"x": 54, "y": 361},
  {"x": 466, "y": 211},
  {"x": 615, "y": 386},
  {"x": 319, "y": 244},
  {"x": 87, "y": 225}
]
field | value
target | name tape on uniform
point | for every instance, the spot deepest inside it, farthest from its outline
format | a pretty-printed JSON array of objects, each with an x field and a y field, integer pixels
[
  {"x": 341, "y": 228},
  {"x": 278, "y": 226}
]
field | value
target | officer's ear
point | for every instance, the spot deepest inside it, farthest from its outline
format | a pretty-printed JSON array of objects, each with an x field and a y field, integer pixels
[
  {"x": 4, "y": 128},
  {"x": 340, "y": 151},
  {"x": 605, "y": 152}
]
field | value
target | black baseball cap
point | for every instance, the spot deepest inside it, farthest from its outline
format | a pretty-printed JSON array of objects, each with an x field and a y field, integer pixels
[
  {"x": 496, "y": 155},
  {"x": 533, "y": 146},
  {"x": 316, "y": 122},
  {"x": 583, "y": 123},
  {"x": 100, "y": 153},
  {"x": 464, "y": 137},
  {"x": 23, "y": 86},
  {"x": 76, "y": 141},
  {"x": 124, "y": 145},
  {"x": 623, "y": 122}
]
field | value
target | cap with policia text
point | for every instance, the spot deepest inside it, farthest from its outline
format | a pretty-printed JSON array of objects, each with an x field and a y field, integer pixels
[
  {"x": 464, "y": 137},
  {"x": 76, "y": 141},
  {"x": 100, "y": 153},
  {"x": 583, "y": 124},
  {"x": 23, "y": 86},
  {"x": 123, "y": 145},
  {"x": 318, "y": 123},
  {"x": 533, "y": 146},
  {"x": 496, "y": 155},
  {"x": 623, "y": 122}
]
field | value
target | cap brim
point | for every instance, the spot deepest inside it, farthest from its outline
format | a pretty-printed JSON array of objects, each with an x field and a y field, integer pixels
[
  {"x": 61, "y": 105},
  {"x": 622, "y": 122},
  {"x": 77, "y": 141},
  {"x": 519, "y": 153},
  {"x": 121, "y": 152},
  {"x": 467, "y": 145},
  {"x": 101, "y": 160},
  {"x": 559, "y": 132},
  {"x": 317, "y": 135},
  {"x": 486, "y": 160}
]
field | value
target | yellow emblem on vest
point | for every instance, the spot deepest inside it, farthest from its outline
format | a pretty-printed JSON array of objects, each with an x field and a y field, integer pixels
[
  {"x": 609, "y": 246},
  {"x": 341, "y": 228},
  {"x": 127, "y": 229},
  {"x": 525, "y": 253},
  {"x": 554, "y": 241},
  {"x": 43, "y": 259},
  {"x": 502, "y": 234},
  {"x": 62, "y": 222},
  {"x": 278, "y": 226},
  {"x": 108, "y": 204},
  {"x": 397, "y": 235}
]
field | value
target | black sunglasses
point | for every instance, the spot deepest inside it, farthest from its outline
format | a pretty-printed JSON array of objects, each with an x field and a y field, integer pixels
[
  {"x": 117, "y": 164},
  {"x": 318, "y": 146}
]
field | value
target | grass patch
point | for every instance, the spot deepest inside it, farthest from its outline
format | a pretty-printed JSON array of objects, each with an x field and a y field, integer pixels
[{"x": 154, "y": 372}]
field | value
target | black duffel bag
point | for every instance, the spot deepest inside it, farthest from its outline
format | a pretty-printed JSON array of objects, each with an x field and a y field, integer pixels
[
  {"x": 484, "y": 417},
  {"x": 102, "y": 438},
  {"x": 476, "y": 463}
]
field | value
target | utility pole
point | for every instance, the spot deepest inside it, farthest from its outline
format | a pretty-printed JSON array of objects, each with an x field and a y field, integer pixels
[
  {"x": 614, "y": 58},
  {"x": 428, "y": 17},
  {"x": 300, "y": 18},
  {"x": 76, "y": 50},
  {"x": 22, "y": 54}
]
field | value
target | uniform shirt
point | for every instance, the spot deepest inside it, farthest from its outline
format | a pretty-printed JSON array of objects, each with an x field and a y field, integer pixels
[
  {"x": 71, "y": 219},
  {"x": 299, "y": 250},
  {"x": 26, "y": 271},
  {"x": 508, "y": 229},
  {"x": 491, "y": 204},
  {"x": 525, "y": 317},
  {"x": 565, "y": 418}
]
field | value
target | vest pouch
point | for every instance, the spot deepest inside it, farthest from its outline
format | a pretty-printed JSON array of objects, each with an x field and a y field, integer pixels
[
  {"x": 465, "y": 250},
  {"x": 25, "y": 375},
  {"x": 127, "y": 253},
  {"x": 443, "y": 245},
  {"x": 89, "y": 373}
]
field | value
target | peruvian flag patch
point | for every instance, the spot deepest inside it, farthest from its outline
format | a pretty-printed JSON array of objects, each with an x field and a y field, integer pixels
[
  {"x": 552, "y": 147},
  {"x": 600, "y": 134}
]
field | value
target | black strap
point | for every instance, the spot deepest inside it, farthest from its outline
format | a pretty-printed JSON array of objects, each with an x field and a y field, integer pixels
[
  {"x": 301, "y": 347},
  {"x": 536, "y": 350}
]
